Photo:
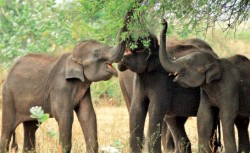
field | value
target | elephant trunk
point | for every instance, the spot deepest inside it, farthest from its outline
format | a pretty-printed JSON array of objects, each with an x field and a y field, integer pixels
[
  {"x": 118, "y": 51},
  {"x": 166, "y": 60}
]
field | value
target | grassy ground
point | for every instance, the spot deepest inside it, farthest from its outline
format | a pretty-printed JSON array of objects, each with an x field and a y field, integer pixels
[{"x": 113, "y": 129}]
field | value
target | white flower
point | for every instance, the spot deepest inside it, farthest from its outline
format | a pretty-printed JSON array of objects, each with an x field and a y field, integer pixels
[{"x": 110, "y": 149}]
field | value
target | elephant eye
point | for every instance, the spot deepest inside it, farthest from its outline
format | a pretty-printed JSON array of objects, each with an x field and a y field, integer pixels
[{"x": 96, "y": 53}]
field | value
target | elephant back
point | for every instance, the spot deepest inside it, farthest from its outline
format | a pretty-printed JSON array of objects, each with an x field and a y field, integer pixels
[{"x": 178, "y": 48}]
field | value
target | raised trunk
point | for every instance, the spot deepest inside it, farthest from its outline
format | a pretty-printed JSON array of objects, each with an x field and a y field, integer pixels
[
  {"x": 165, "y": 59},
  {"x": 118, "y": 51}
]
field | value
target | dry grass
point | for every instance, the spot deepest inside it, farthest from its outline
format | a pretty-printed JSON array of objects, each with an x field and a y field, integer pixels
[{"x": 113, "y": 125}]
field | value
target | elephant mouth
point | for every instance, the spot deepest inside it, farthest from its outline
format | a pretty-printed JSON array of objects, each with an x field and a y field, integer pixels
[
  {"x": 112, "y": 69},
  {"x": 177, "y": 76},
  {"x": 178, "y": 79},
  {"x": 127, "y": 52}
]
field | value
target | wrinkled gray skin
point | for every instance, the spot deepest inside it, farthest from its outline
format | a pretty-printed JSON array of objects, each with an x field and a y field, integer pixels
[
  {"x": 60, "y": 85},
  {"x": 225, "y": 85},
  {"x": 126, "y": 80},
  {"x": 155, "y": 93}
]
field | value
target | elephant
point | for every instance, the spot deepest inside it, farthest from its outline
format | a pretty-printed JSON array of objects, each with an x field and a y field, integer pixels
[
  {"x": 225, "y": 86},
  {"x": 155, "y": 93},
  {"x": 60, "y": 85},
  {"x": 126, "y": 80}
]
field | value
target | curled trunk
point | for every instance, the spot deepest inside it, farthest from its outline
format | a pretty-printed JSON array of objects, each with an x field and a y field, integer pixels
[
  {"x": 118, "y": 51},
  {"x": 165, "y": 59}
]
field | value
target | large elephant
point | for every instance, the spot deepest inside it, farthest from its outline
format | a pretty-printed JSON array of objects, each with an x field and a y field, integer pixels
[
  {"x": 60, "y": 85},
  {"x": 126, "y": 80},
  {"x": 225, "y": 85},
  {"x": 155, "y": 92}
]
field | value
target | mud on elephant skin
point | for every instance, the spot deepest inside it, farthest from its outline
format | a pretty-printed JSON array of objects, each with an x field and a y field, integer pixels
[
  {"x": 225, "y": 85},
  {"x": 155, "y": 93},
  {"x": 60, "y": 85}
]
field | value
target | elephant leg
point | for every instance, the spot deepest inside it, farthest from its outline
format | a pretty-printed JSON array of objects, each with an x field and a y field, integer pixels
[
  {"x": 176, "y": 125},
  {"x": 64, "y": 116},
  {"x": 243, "y": 136},
  {"x": 156, "y": 115},
  {"x": 215, "y": 140},
  {"x": 8, "y": 123},
  {"x": 137, "y": 115},
  {"x": 166, "y": 137},
  {"x": 87, "y": 118},
  {"x": 228, "y": 132},
  {"x": 204, "y": 124},
  {"x": 29, "y": 143},
  {"x": 65, "y": 132},
  {"x": 7, "y": 132},
  {"x": 228, "y": 112}
]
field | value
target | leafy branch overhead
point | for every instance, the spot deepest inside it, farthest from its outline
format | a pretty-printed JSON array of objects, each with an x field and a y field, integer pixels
[
  {"x": 48, "y": 25},
  {"x": 184, "y": 16}
]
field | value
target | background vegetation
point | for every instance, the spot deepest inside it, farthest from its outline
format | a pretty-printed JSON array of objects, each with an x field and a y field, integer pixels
[{"x": 55, "y": 26}]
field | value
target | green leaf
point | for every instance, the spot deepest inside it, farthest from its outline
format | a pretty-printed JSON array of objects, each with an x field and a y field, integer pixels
[
  {"x": 43, "y": 118},
  {"x": 52, "y": 133},
  {"x": 118, "y": 144}
]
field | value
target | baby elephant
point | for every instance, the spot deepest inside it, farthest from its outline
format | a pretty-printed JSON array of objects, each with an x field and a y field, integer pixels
[
  {"x": 60, "y": 85},
  {"x": 225, "y": 85}
]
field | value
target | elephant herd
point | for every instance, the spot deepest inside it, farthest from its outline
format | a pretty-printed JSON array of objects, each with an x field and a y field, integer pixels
[{"x": 170, "y": 82}]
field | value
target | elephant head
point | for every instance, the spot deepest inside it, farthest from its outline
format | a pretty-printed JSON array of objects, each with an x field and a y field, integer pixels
[
  {"x": 92, "y": 61},
  {"x": 191, "y": 70},
  {"x": 140, "y": 59}
]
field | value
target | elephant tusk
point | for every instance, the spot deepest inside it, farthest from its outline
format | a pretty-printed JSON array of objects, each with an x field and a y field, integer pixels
[
  {"x": 176, "y": 78},
  {"x": 169, "y": 74},
  {"x": 175, "y": 73}
]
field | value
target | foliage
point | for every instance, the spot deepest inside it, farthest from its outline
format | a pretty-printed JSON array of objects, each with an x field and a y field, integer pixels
[
  {"x": 43, "y": 25},
  {"x": 184, "y": 16},
  {"x": 38, "y": 113},
  {"x": 31, "y": 26},
  {"x": 46, "y": 26},
  {"x": 229, "y": 44},
  {"x": 107, "y": 92}
]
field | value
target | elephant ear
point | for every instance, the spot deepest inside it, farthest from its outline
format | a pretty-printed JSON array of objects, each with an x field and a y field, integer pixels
[
  {"x": 73, "y": 70},
  {"x": 213, "y": 72}
]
